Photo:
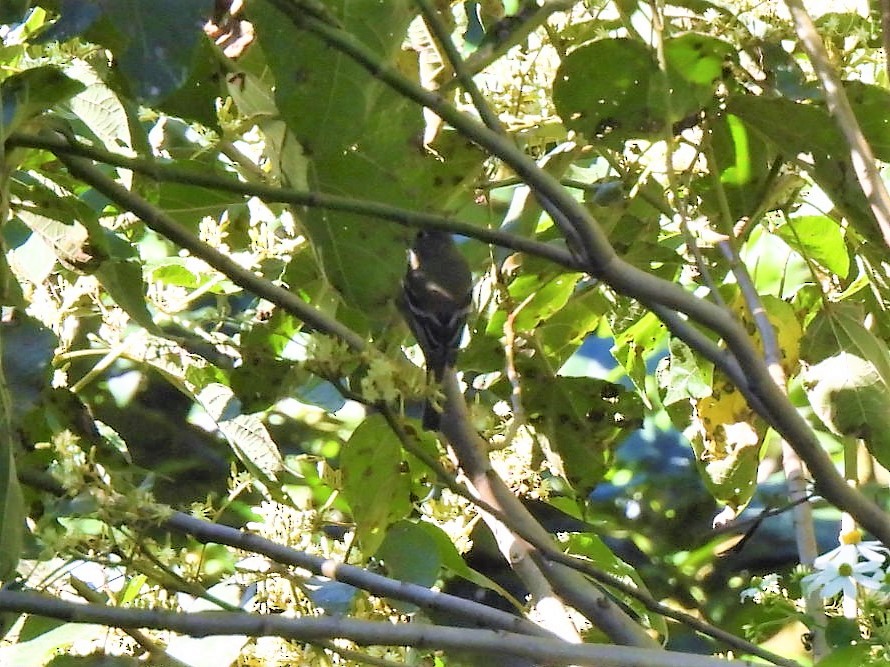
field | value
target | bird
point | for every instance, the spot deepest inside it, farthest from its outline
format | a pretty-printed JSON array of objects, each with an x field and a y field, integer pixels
[{"x": 437, "y": 294}]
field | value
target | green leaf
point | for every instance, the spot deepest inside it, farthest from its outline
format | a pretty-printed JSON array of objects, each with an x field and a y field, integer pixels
[
  {"x": 686, "y": 376},
  {"x": 838, "y": 328},
  {"x": 99, "y": 108},
  {"x": 27, "y": 94},
  {"x": 329, "y": 97},
  {"x": 548, "y": 297},
  {"x": 698, "y": 59},
  {"x": 195, "y": 99},
  {"x": 590, "y": 546},
  {"x": 41, "y": 650},
  {"x": 727, "y": 436},
  {"x": 410, "y": 553},
  {"x": 453, "y": 562},
  {"x": 778, "y": 120},
  {"x": 842, "y": 632},
  {"x": 131, "y": 589},
  {"x": 246, "y": 433},
  {"x": 69, "y": 241},
  {"x": 447, "y": 553},
  {"x": 371, "y": 461},
  {"x": 853, "y": 400},
  {"x": 188, "y": 204},
  {"x": 563, "y": 333},
  {"x": 12, "y": 511},
  {"x": 743, "y": 161},
  {"x": 636, "y": 344},
  {"x": 870, "y": 104},
  {"x": 193, "y": 274},
  {"x": 10, "y": 290},
  {"x": 362, "y": 142},
  {"x": 636, "y": 99},
  {"x": 122, "y": 278},
  {"x": 624, "y": 105},
  {"x": 153, "y": 42},
  {"x": 32, "y": 258},
  {"x": 583, "y": 419},
  {"x": 261, "y": 380},
  {"x": 13, "y": 11},
  {"x": 859, "y": 654},
  {"x": 776, "y": 267},
  {"x": 818, "y": 239}
]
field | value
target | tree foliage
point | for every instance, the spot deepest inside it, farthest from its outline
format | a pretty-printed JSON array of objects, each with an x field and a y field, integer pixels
[{"x": 678, "y": 227}]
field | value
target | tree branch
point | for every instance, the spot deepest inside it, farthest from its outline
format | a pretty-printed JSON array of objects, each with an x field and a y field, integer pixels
[
  {"x": 463, "y": 75},
  {"x": 864, "y": 163},
  {"x": 376, "y": 584},
  {"x": 161, "y": 171},
  {"x": 587, "y": 598},
  {"x": 169, "y": 228},
  {"x": 592, "y": 247},
  {"x": 365, "y": 633}
]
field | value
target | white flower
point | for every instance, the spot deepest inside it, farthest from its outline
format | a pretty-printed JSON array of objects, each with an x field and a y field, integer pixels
[
  {"x": 836, "y": 576},
  {"x": 768, "y": 584},
  {"x": 872, "y": 551}
]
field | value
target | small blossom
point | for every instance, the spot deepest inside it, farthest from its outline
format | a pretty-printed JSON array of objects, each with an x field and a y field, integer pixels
[
  {"x": 839, "y": 576},
  {"x": 762, "y": 586},
  {"x": 873, "y": 552},
  {"x": 379, "y": 383}
]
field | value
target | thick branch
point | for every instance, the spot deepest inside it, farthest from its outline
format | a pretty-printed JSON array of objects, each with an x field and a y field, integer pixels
[
  {"x": 382, "y": 586},
  {"x": 592, "y": 247},
  {"x": 598, "y": 607},
  {"x": 366, "y": 633}
]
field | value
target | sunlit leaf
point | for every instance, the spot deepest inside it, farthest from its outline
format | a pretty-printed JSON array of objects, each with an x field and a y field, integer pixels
[
  {"x": 590, "y": 546},
  {"x": 853, "y": 400},
  {"x": 246, "y": 433},
  {"x": 726, "y": 437},
  {"x": 636, "y": 344},
  {"x": 30, "y": 93},
  {"x": 819, "y": 239},
  {"x": 372, "y": 461},
  {"x": 778, "y": 120},
  {"x": 41, "y": 649},
  {"x": 685, "y": 376}
]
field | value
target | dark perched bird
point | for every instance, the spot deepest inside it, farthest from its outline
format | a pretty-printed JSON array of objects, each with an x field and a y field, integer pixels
[{"x": 436, "y": 296}]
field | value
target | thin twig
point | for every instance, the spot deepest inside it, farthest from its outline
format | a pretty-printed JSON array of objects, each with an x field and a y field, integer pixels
[
  {"x": 164, "y": 172},
  {"x": 169, "y": 228},
  {"x": 371, "y": 582},
  {"x": 568, "y": 584},
  {"x": 491, "y": 51},
  {"x": 864, "y": 163},
  {"x": 440, "y": 34},
  {"x": 146, "y": 642},
  {"x": 885, "y": 34}
]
